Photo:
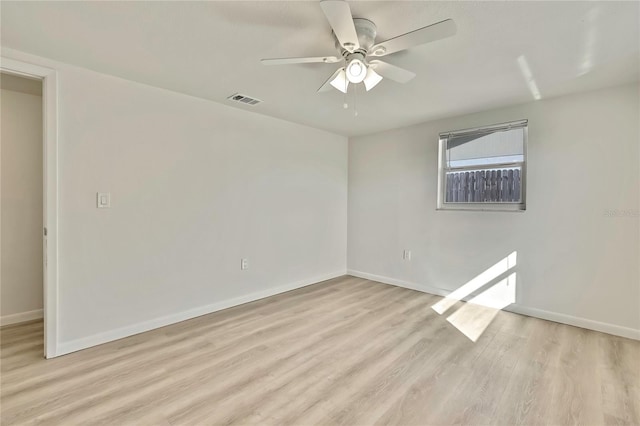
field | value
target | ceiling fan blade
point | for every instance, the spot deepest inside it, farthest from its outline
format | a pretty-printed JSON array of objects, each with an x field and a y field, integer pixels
[
  {"x": 391, "y": 72},
  {"x": 434, "y": 32},
  {"x": 338, "y": 14},
  {"x": 327, "y": 84},
  {"x": 309, "y": 60}
]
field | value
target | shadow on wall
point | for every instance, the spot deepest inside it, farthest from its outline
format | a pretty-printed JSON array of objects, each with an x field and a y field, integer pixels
[{"x": 498, "y": 290}]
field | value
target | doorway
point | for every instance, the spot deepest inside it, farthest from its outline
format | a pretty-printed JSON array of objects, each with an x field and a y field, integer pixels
[
  {"x": 28, "y": 201},
  {"x": 21, "y": 201}
]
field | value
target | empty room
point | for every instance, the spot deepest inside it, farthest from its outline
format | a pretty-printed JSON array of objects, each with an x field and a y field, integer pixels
[{"x": 320, "y": 212}]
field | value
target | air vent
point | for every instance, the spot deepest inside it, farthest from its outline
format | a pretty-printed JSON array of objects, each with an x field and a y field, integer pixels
[{"x": 243, "y": 99}]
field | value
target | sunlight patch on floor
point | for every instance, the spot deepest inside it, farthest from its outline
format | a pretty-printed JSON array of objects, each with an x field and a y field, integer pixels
[{"x": 473, "y": 318}]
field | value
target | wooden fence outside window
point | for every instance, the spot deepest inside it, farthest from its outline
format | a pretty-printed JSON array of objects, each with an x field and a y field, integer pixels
[{"x": 499, "y": 185}]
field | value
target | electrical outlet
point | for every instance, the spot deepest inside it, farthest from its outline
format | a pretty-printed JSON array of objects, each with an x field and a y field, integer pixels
[
  {"x": 406, "y": 254},
  {"x": 244, "y": 264}
]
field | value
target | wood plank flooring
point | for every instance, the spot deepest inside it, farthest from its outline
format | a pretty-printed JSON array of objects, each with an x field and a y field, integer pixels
[{"x": 346, "y": 351}]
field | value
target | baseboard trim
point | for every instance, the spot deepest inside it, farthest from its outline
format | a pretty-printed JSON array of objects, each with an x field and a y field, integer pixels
[
  {"x": 21, "y": 317},
  {"x": 120, "y": 333},
  {"x": 616, "y": 330},
  {"x": 399, "y": 283},
  {"x": 603, "y": 327}
]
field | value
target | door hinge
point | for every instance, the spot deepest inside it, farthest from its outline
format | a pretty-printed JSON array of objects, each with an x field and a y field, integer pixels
[{"x": 45, "y": 231}]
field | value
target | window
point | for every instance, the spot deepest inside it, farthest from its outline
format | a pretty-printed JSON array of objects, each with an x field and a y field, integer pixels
[{"x": 483, "y": 168}]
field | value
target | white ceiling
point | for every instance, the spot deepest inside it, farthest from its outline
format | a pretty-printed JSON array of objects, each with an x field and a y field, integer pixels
[{"x": 212, "y": 50}]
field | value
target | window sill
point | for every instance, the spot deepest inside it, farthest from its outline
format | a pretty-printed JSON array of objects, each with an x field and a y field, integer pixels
[{"x": 516, "y": 208}]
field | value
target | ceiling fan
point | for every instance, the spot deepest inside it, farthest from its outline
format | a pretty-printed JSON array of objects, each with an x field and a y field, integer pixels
[{"x": 355, "y": 40}]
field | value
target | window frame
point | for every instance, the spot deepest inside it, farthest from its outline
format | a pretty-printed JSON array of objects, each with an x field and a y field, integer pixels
[{"x": 489, "y": 206}]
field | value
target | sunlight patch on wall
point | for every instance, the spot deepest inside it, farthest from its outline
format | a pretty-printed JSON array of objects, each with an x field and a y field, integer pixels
[
  {"x": 587, "y": 62},
  {"x": 528, "y": 77},
  {"x": 475, "y": 283}
]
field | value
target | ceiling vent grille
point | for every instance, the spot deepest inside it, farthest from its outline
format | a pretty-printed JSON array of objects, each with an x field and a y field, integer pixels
[{"x": 243, "y": 99}]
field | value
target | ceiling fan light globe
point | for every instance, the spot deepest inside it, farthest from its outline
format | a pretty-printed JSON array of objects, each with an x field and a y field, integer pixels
[
  {"x": 356, "y": 71},
  {"x": 372, "y": 79},
  {"x": 340, "y": 81}
]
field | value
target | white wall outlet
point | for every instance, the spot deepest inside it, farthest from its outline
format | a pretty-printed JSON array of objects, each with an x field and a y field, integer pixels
[
  {"x": 244, "y": 264},
  {"x": 103, "y": 200},
  {"x": 406, "y": 255}
]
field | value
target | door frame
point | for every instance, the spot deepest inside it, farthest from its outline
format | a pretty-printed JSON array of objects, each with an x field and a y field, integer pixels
[{"x": 49, "y": 193}]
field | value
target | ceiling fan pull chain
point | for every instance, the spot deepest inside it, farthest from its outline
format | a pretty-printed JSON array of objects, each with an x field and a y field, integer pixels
[
  {"x": 355, "y": 100},
  {"x": 345, "y": 105}
]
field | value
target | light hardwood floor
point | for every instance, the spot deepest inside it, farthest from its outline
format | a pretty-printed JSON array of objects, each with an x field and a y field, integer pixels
[{"x": 346, "y": 351}]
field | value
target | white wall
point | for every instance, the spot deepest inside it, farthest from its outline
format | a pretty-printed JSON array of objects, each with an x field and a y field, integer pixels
[
  {"x": 575, "y": 261},
  {"x": 21, "y": 205},
  {"x": 195, "y": 186}
]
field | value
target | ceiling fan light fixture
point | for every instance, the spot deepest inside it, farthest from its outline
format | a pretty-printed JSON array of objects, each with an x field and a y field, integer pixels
[
  {"x": 372, "y": 79},
  {"x": 340, "y": 82},
  {"x": 356, "y": 71}
]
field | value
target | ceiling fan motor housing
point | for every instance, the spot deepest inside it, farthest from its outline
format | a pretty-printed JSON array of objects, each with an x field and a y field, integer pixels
[{"x": 366, "y": 31}]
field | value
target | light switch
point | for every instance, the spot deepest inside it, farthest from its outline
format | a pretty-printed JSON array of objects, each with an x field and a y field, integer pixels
[{"x": 103, "y": 200}]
